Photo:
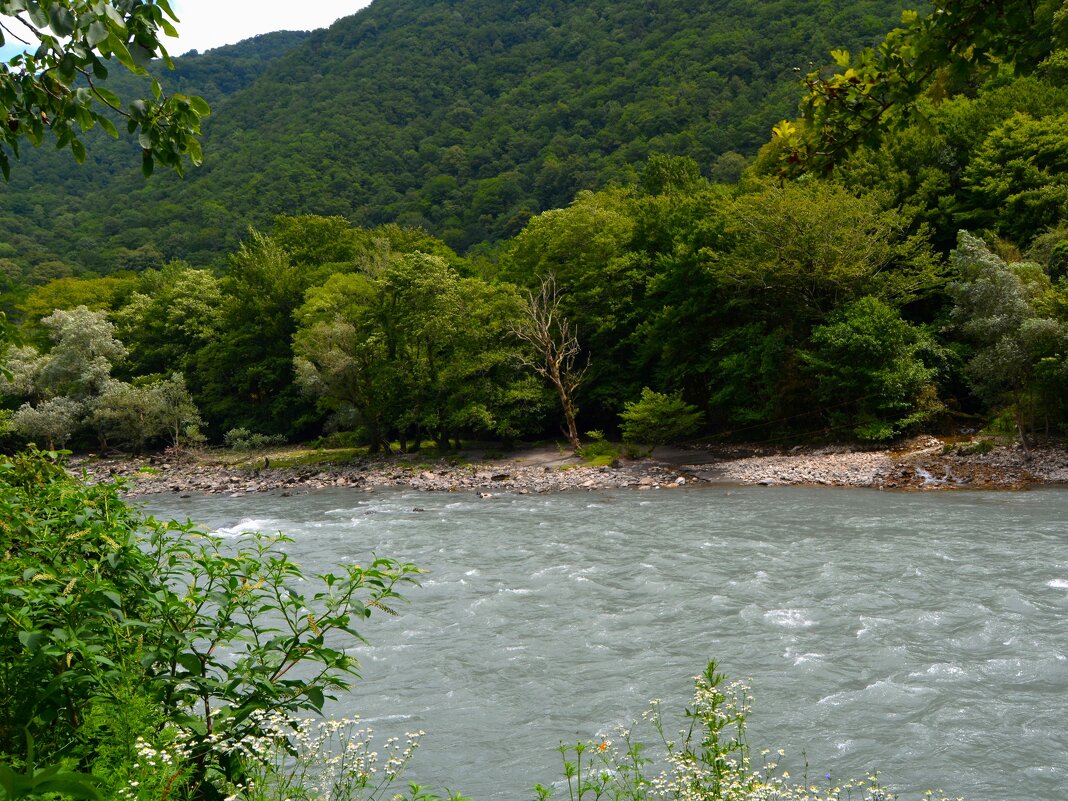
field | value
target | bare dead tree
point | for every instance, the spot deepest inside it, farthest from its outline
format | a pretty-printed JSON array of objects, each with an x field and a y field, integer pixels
[{"x": 554, "y": 346}]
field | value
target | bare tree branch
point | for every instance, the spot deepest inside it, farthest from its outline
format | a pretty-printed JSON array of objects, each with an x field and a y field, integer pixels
[{"x": 555, "y": 348}]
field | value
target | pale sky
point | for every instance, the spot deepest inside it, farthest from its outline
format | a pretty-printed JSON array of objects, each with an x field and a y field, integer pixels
[
  {"x": 205, "y": 24},
  {"x": 209, "y": 23}
]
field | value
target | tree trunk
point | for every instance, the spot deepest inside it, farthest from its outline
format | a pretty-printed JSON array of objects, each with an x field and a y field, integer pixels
[
  {"x": 569, "y": 409},
  {"x": 1021, "y": 429}
]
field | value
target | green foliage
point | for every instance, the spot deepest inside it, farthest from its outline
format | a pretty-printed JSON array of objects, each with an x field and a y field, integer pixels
[
  {"x": 596, "y": 447},
  {"x": 414, "y": 349},
  {"x": 1018, "y": 176},
  {"x": 461, "y": 119},
  {"x": 818, "y": 246},
  {"x": 132, "y": 415},
  {"x": 100, "y": 600},
  {"x": 1003, "y": 310},
  {"x": 174, "y": 312},
  {"x": 53, "y": 422},
  {"x": 34, "y": 782},
  {"x": 658, "y": 418},
  {"x": 587, "y": 247},
  {"x": 242, "y": 377},
  {"x": 879, "y": 86},
  {"x": 96, "y": 294},
  {"x": 241, "y": 439},
  {"x": 84, "y": 352},
  {"x": 870, "y": 372},
  {"x": 59, "y": 89}
]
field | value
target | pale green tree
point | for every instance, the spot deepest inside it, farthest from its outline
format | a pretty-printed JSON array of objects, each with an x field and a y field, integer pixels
[
  {"x": 133, "y": 415},
  {"x": 125, "y": 415},
  {"x": 51, "y": 422},
  {"x": 20, "y": 371},
  {"x": 83, "y": 353},
  {"x": 1001, "y": 309},
  {"x": 178, "y": 413}
]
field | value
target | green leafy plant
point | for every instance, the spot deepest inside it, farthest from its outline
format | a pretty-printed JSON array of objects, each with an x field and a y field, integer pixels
[
  {"x": 241, "y": 439},
  {"x": 658, "y": 418},
  {"x": 212, "y": 633},
  {"x": 597, "y": 450},
  {"x": 34, "y": 781}
]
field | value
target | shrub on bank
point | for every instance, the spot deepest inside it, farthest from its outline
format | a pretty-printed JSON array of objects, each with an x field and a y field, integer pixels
[{"x": 116, "y": 631}]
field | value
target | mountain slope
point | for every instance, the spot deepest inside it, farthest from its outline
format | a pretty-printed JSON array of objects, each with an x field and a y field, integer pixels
[{"x": 469, "y": 116}]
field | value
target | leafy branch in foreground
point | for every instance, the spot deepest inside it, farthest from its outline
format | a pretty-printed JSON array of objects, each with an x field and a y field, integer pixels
[
  {"x": 119, "y": 627},
  {"x": 57, "y": 84},
  {"x": 879, "y": 86}
]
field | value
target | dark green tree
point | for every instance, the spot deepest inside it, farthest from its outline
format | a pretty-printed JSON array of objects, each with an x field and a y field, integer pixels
[
  {"x": 243, "y": 377},
  {"x": 870, "y": 375}
]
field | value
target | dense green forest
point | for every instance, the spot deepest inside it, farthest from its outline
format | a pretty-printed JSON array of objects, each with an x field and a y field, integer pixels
[
  {"x": 464, "y": 119},
  {"x": 914, "y": 279}
]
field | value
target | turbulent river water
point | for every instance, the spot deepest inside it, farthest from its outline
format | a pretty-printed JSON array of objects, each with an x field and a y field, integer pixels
[{"x": 924, "y": 635}]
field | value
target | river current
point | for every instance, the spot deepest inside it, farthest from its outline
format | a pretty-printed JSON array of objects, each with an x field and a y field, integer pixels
[{"x": 923, "y": 635}]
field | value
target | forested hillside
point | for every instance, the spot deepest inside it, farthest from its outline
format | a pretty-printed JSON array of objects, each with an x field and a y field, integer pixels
[
  {"x": 892, "y": 261},
  {"x": 463, "y": 118},
  {"x": 58, "y": 216}
]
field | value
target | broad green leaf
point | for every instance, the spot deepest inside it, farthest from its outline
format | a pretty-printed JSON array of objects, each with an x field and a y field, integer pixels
[
  {"x": 118, "y": 47},
  {"x": 196, "y": 153},
  {"x": 118, "y": 22},
  {"x": 108, "y": 126},
  {"x": 96, "y": 33},
  {"x": 62, "y": 21},
  {"x": 108, "y": 96},
  {"x": 38, "y": 16}
]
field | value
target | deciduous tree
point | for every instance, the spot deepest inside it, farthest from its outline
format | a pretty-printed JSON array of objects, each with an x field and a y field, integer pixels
[{"x": 999, "y": 308}]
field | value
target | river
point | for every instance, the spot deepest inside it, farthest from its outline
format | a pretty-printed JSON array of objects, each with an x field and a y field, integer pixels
[{"x": 924, "y": 635}]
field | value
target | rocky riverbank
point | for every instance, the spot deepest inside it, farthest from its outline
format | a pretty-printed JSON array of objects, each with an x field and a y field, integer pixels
[{"x": 923, "y": 463}]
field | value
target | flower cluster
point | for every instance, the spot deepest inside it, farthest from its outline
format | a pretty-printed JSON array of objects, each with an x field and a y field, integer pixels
[
  {"x": 299, "y": 758},
  {"x": 283, "y": 758},
  {"x": 156, "y": 770}
]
